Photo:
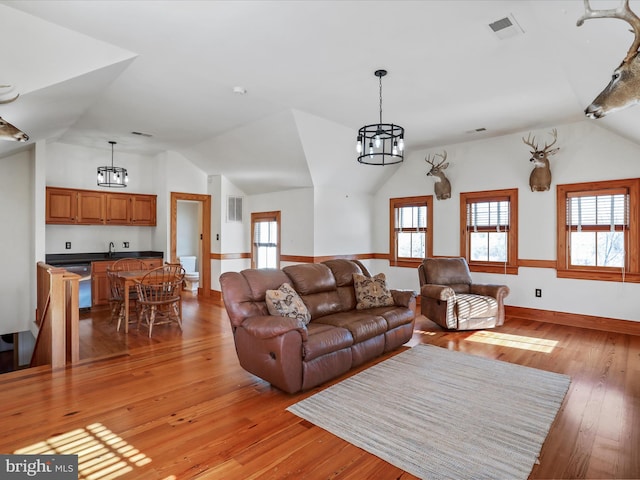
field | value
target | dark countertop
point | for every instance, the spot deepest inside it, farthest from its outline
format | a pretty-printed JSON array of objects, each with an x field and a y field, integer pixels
[{"x": 57, "y": 259}]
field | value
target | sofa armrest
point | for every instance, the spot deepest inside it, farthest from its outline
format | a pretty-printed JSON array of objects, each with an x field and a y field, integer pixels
[
  {"x": 270, "y": 326},
  {"x": 437, "y": 292},
  {"x": 496, "y": 291},
  {"x": 402, "y": 298}
]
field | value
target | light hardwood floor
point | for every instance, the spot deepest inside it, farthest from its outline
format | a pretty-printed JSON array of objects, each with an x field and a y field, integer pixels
[{"x": 179, "y": 406}]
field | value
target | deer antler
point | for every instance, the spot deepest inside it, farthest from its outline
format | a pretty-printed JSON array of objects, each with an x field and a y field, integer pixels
[
  {"x": 554, "y": 133},
  {"x": 442, "y": 156},
  {"x": 531, "y": 142},
  {"x": 623, "y": 12}
]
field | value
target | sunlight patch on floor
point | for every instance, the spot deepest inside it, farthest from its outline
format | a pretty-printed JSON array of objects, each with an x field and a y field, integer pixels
[
  {"x": 102, "y": 455},
  {"x": 513, "y": 341}
]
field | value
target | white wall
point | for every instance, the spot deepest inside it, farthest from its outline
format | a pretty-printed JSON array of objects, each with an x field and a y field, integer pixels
[
  {"x": 587, "y": 153},
  {"x": 226, "y": 237},
  {"x": 342, "y": 222},
  {"x": 17, "y": 242}
]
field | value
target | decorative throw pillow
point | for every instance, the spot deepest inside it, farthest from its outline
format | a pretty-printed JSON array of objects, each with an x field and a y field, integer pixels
[
  {"x": 371, "y": 291},
  {"x": 286, "y": 302}
]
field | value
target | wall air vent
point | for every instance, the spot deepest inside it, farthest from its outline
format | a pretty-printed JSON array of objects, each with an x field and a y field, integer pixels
[
  {"x": 234, "y": 209},
  {"x": 506, "y": 27}
]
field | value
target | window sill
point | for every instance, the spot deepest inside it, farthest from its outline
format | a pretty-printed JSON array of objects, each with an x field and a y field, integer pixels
[
  {"x": 406, "y": 263},
  {"x": 601, "y": 275},
  {"x": 494, "y": 268}
]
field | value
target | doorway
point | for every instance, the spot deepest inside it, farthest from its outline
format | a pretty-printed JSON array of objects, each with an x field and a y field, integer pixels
[{"x": 204, "y": 254}]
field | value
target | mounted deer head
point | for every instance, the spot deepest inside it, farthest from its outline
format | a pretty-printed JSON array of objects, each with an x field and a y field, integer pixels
[
  {"x": 540, "y": 178},
  {"x": 442, "y": 186},
  {"x": 8, "y": 131},
  {"x": 624, "y": 88}
]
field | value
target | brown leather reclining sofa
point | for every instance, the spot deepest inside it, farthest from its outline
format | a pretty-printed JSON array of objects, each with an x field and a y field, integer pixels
[{"x": 295, "y": 357}]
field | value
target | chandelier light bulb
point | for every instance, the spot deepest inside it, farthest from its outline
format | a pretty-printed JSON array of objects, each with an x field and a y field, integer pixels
[
  {"x": 394, "y": 150},
  {"x": 359, "y": 144},
  {"x": 401, "y": 144},
  {"x": 378, "y": 141}
]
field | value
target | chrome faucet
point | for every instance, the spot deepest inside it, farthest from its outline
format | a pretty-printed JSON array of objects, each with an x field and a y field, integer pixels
[{"x": 111, "y": 252}]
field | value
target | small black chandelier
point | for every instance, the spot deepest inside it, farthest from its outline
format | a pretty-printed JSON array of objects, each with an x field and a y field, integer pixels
[
  {"x": 110, "y": 176},
  {"x": 381, "y": 143}
]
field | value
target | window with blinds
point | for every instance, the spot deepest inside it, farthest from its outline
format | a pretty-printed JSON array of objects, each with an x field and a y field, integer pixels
[
  {"x": 489, "y": 239},
  {"x": 488, "y": 227},
  {"x": 265, "y": 229},
  {"x": 597, "y": 227},
  {"x": 410, "y": 239},
  {"x": 598, "y": 230}
]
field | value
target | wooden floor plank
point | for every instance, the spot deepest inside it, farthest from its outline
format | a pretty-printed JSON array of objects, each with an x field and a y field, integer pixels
[{"x": 180, "y": 406}]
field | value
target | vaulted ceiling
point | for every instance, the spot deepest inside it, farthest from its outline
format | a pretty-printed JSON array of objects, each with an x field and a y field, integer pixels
[{"x": 92, "y": 71}]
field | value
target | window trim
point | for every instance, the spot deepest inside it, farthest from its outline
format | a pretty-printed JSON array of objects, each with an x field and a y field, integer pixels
[
  {"x": 632, "y": 239},
  {"x": 261, "y": 217},
  {"x": 511, "y": 265},
  {"x": 426, "y": 200}
]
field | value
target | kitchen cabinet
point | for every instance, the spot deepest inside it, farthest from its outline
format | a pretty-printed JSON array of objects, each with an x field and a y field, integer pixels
[
  {"x": 118, "y": 209},
  {"x": 100, "y": 288},
  {"x": 143, "y": 210},
  {"x": 68, "y": 206},
  {"x": 62, "y": 206},
  {"x": 90, "y": 207}
]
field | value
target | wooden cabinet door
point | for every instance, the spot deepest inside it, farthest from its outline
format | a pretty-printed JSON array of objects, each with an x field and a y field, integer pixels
[
  {"x": 61, "y": 205},
  {"x": 117, "y": 209},
  {"x": 91, "y": 207},
  {"x": 143, "y": 210},
  {"x": 100, "y": 287}
]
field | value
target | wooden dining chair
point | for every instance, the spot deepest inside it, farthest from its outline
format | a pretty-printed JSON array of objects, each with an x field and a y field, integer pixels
[
  {"x": 116, "y": 285},
  {"x": 159, "y": 296}
]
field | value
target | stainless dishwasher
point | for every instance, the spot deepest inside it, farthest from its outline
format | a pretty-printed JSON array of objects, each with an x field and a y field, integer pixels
[{"x": 84, "y": 270}]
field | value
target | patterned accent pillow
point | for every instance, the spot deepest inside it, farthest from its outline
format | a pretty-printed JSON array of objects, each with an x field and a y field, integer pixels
[
  {"x": 371, "y": 291},
  {"x": 286, "y": 302}
]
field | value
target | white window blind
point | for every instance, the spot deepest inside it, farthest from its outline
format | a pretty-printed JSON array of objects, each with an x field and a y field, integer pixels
[
  {"x": 491, "y": 215},
  {"x": 606, "y": 209}
]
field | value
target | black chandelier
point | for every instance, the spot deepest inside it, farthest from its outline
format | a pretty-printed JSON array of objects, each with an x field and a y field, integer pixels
[
  {"x": 380, "y": 143},
  {"x": 110, "y": 176}
]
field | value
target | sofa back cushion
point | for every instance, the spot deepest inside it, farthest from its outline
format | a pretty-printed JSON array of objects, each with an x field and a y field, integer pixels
[
  {"x": 316, "y": 284},
  {"x": 343, "y": 271},
  {"x": 243, "y": 292}
]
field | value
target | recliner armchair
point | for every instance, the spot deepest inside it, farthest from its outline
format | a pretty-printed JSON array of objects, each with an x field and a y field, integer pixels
[{"x": 450, "y": 298}]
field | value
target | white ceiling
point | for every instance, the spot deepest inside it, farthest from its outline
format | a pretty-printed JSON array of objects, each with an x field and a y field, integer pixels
[{"x": 93, "y": 71}]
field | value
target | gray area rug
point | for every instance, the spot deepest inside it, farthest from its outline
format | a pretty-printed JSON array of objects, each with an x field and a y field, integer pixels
[{"x": 441, "y": 414}]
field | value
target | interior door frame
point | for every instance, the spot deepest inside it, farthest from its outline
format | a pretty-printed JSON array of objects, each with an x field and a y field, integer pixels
[{"x": 205, "y": 254}]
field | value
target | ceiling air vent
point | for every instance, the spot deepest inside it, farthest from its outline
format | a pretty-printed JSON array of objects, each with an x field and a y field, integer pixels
[
  {"x": 506, "y": 27},
  {"x": 142, "y": 134}
]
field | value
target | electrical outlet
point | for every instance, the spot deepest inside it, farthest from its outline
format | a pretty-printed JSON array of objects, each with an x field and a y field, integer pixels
[
  {"x": 538, "y": 292},
  {"x": 67, "y": 245},
  {"x": 125, "y": 244}
]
